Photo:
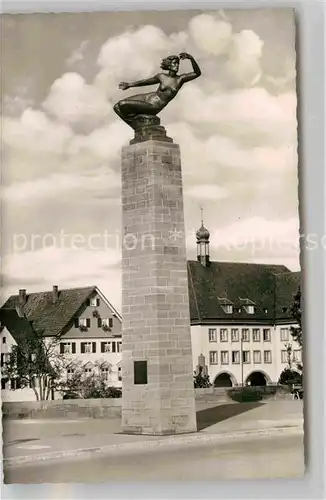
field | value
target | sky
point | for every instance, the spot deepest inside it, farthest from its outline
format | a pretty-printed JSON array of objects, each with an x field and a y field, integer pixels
[{"x": 236, "y": 127}]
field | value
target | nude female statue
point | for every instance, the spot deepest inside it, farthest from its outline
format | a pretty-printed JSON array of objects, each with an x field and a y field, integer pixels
[{"x": 153, "y": 102}]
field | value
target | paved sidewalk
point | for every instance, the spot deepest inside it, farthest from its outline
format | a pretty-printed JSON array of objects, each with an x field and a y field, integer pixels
[{"x": 34, "y": 440}]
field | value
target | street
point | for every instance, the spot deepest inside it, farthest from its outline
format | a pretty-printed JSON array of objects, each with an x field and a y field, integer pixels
[{"x": 262, "y": 457}]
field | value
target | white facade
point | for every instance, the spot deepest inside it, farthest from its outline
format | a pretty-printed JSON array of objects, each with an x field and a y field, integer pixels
[
  {"x": 92, "y": 344},
  {"x": 8, "y": 388},
  {"x": 263, "y": 350}
]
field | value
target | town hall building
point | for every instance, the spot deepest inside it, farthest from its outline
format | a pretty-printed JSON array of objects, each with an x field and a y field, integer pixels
[{"x": 240, "y": 318}]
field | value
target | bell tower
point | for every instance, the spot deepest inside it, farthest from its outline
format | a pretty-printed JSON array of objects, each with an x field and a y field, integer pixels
[{"x": 202, "y": 236}]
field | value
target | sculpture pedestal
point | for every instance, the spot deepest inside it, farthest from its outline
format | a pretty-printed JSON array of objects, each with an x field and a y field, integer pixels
[
  {"x": 157, "y": 386},
  {"x": 148, "y": 128}
]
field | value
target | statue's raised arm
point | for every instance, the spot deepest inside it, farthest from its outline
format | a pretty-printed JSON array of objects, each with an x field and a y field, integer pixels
[{"x": 169, "y": 83}]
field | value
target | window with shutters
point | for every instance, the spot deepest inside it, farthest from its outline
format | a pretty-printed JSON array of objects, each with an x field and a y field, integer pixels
[
  {"x": 65, "y": 348},
  {"x": 83, "y": 322},
  {"x": 88, "y": 347},
  {"x": 119, "y": 346},
  {"x": 94, "y": 302},
  {"x": 106, "y": 346}
]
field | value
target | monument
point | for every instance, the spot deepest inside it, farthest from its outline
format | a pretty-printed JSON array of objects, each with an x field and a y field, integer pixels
[{"x": 157, "y": 385}]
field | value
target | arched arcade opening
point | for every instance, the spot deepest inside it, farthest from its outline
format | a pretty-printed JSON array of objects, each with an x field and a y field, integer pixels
[
  {"x": 257, "y": 379},
  {"x": 224, "y": 380}
]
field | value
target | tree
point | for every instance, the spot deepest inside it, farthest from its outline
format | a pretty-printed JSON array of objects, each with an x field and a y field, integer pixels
[
  {"x": 35, "y": 362},
  {"x": 289, "y": 377},
  {"x": 201, "y": 381},
  {"x": 84, "y": 386},
  {"x": 296, "y": 331}
]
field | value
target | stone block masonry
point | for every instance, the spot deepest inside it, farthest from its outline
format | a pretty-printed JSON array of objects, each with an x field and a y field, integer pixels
[{"x": 155, "y": 304}]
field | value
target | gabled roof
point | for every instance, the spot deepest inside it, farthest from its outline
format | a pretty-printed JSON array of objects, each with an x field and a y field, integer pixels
[
  {"x": 16, "y": 326},
  {"x": 262, "y": 285},
  {"x": 52, "y": 319}
]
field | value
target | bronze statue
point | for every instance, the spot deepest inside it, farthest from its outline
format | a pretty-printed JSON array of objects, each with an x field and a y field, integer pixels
[{"x": 153, "y": 102}]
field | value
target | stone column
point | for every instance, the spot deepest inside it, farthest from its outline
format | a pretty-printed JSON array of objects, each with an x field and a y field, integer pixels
[{"x": 157, "y": 385}]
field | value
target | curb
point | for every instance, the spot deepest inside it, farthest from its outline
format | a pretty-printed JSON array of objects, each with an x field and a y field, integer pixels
[{"x": 149, "y": 445}]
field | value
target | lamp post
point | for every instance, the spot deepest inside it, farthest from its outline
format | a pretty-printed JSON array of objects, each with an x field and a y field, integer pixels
[{"x": 241, "y": 354}]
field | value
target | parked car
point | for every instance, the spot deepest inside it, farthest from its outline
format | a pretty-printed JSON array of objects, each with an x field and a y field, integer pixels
[{"x": 297, "y": 392}]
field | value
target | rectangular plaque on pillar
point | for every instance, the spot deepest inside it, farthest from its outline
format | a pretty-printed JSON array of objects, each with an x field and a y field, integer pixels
[
  {"x": 155, "y": 303},
  {"x": 140, "y": 372}
]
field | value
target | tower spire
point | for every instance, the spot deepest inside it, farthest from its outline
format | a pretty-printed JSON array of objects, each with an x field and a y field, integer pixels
[
  {"x": 202, "y": 236},
  {"x": 202, "y": 215}
]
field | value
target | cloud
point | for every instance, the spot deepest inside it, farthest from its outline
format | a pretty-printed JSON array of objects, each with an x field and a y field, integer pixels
[
  {"x": 244, "y": 57},
  {"x": 72, "y": 101},
  {"x": 211, "y": 35},
  {"x": 257, "y": 234},
  {"x": 210, "y": 154},
  {"x": 65, "y": 267},
  {"x": 34, "y": 130},
  {"x": 242, "y": 51},
  {"x": 59, "y": 186},
  {"x": 242, "y": 114},
  {"x": 78, "y": 54},
  {"x": 105, "y": 142},
  {"x": 37, "y": 147}
]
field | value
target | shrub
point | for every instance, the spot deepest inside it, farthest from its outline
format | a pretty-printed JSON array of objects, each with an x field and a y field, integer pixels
[
  {"x": 290, "y": 377},
  {"x": 201, "y": 381},
  {"x": 246, "y": 394}
]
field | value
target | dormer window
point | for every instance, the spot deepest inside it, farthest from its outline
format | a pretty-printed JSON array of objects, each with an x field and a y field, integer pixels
[
  {"x": 226, "y": 305},
  {"x": 248, "y": 305}
]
